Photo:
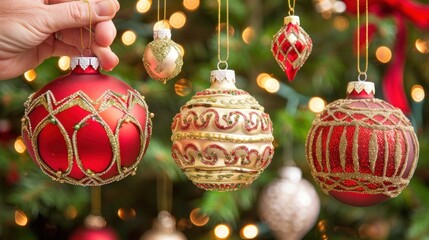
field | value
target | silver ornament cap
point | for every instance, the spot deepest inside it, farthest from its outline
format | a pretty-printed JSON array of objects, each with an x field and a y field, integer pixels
[
  {"x": 222, "y": 79},
  {"x": 162, "y": 33},
  {"x": 84, "y": 62},
  {"x": 359, "y": 86}
]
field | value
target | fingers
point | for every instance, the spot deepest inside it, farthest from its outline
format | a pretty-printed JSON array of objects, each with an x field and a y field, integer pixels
[
  {"x": 74, "y": 14},
  {"x": 104, "y": 34},
  {"x": 108, "y": 59},
  {"x": 67, "y": 17}
]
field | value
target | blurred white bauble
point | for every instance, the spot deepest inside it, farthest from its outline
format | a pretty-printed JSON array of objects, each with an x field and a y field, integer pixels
[
  {"x": 164, "y": 228},
  {"x": 289, "y": 205}
]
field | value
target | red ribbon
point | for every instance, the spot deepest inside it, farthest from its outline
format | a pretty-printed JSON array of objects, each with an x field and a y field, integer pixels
[{"x": 401, "y": 10}]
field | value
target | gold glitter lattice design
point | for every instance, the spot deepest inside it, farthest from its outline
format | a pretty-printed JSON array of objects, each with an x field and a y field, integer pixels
[
  {"x": 126, "y": 104},
  {"x": 365, "y": 146}
]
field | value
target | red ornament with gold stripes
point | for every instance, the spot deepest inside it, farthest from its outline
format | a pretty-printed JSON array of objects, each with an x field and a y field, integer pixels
[{"x": 362, "y": 150}]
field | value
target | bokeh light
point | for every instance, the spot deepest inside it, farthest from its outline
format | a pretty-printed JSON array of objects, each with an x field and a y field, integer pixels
[
  {"x": 19, "y": 145},
  {"x": 30, "y": 75},
  {"x": 222, "y": 231},
  {"x": 223, "y": 28},
  {"x": 20, "y": 218},
  {"x": 262, "y": 78},
  {"x": 182, "y": 50},
  {"x": 143, "y": 6},
  {"x": 272, "y": 85},
  {"x": 249, "y": 231},
  {"x": 64, "y": 63},
  {"x": 129, "y": 37},
  {"x": 191, "y": 5},
  {"x": 198, "y": 218},
  {"x": 178, "y": 20},
  {"x": 316, "y": 104},
  {"x": 341, "y": 23},
  {"x": 125, "y": 214},
  {"x": 183, "y": 87},
  {"x": 162, "y": 24},
  {"x": 417, "y": 93},
  {"x": 422, "y": 46},
  {"x": 248, "y": 35},
  {"x": 383, "y": 54},
  {"x": 71, "y": 212}
]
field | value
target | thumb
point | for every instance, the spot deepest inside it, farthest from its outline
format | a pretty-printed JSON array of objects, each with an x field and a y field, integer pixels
[{"x": 76, "y": 14}]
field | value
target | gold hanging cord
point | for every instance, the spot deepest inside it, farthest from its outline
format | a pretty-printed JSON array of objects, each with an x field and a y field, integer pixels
[
  {"x": 165, "y": 10},
  {"x": 88, "y": 48},
  {"x": 362, "y": 74},
  {"x": 96, "y": 201},
  {"x": 291, "y": 10},
  {"x": 219, "y": 57}
]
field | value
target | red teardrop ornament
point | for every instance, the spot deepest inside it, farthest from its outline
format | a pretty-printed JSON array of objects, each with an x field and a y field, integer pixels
[{"x": 291, "y": 46}]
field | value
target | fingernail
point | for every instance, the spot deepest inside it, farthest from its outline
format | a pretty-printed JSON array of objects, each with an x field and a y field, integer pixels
[{"x": 105, "y": 8}]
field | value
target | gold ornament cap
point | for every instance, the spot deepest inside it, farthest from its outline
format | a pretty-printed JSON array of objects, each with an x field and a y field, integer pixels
[
  {"x": 162, "y": 33},
  {"x": 291, "y": 19},
  {"x": 223, "y": 79},
  {"x": 84, "y": 62},
  {"x": 360, "y": 89}
]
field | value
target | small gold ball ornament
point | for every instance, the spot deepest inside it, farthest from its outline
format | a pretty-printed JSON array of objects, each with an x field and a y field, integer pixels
[{"x": 163, "y": 58}]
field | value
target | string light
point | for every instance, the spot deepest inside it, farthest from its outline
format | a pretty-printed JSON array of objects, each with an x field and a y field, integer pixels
[
  {"x": 249, "y": 231},
  {"x": 143, "y": 6},
  {"x": 222, "y": 231},
  {"x": 191, "y": 5},
  {"x": 417, "y": 93},
  {"x": 316, "y": 104},
  {"x": 19, "y": 145},
  {"x": 422, "y": 46},
  {"x": 248, "y": 35},
  {"x": 197, "y": 218},
  {"x": 383, "y": 54},
  {"x": 30, "y": 75},
  {"x": 261, "y": 78},
  {"x": 64, "y": 63},
  {"x": 272, "y": 85},
  {"x": 128, "y": 37},
  {"x": 20, "y": 218},
  {"x": 177, "y": 20}
]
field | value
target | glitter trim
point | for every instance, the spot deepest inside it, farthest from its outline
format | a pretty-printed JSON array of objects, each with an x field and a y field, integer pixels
[
  {"x": 385, "y": 126},
  {"x": 123, "y": 103}
]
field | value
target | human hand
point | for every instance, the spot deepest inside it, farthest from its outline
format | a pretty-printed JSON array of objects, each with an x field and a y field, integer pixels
[{"x": 34, "y": 30}]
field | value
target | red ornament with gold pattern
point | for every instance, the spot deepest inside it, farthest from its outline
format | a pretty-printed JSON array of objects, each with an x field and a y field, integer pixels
[
  {"x": 362, "y": 150},
  {"x": 222, "y": 138},
  {"x": 291, "y": 46},
  {"x": 86, "y": 128}
]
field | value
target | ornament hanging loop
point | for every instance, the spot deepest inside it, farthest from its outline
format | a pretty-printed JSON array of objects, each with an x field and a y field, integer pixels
[
  {"x": 86, "y": 50},
  {"x": 224, "y": 63},
  {"x": 362, "y": 77}
]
